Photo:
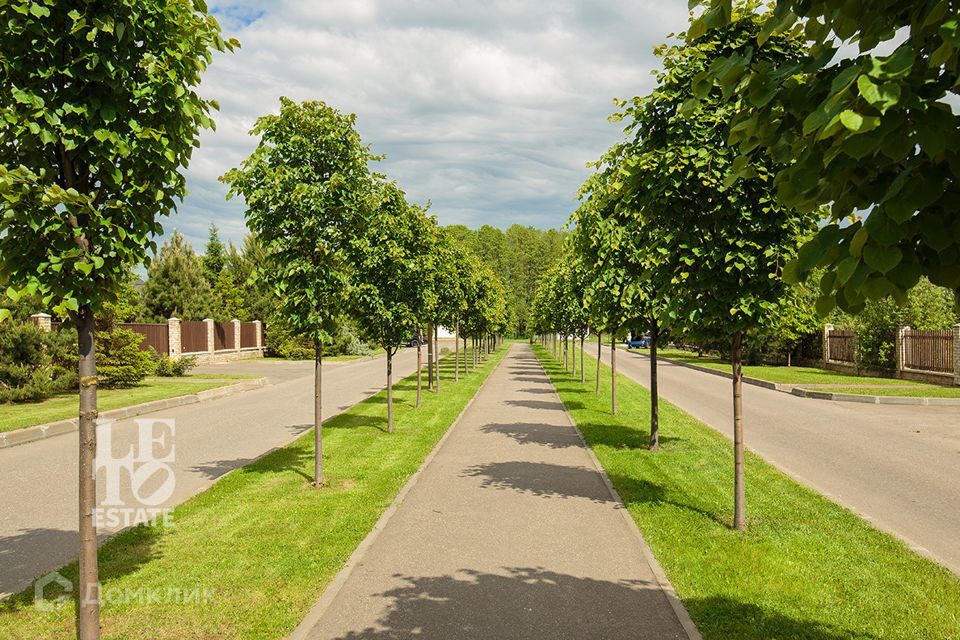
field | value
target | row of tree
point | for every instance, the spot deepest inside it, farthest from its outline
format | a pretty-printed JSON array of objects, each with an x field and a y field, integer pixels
[
  {"x": 700, "y": 219},
  {"x": 340, "y": 239}
]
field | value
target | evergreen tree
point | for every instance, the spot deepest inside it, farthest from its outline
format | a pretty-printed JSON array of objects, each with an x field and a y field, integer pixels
[
  {"x": 176, "y": 285},
  {"x": 214, "y": 255}
]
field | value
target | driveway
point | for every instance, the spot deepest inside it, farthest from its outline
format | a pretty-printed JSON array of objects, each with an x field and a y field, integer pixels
[
  {"x": 38, "y": 500},
  {"x": 896, "y": 466}
]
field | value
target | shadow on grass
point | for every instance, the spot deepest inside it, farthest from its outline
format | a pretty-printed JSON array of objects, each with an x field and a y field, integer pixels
[
  {"x": 535, "y": 602},
  {"x": 126, "y": 553},
  {"x": 542, "y": 479},
  {"x": 534, "y": 433}
]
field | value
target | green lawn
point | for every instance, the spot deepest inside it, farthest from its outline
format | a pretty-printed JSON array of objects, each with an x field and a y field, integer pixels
[
  {"x": 262, "y": 541},
  {"x": 807, "y": 569},
  {"x": 786, "y": 375},
  {"x": 927, "y": 391},
  {"x": 63, "y": 406}
]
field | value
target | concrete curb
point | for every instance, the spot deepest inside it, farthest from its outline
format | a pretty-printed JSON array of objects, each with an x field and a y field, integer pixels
[
  {"x": 819, "y": 395},
  {"x": 44, "y": 431},
  {"x": 302, "y": 630},
  {"x": 675, "y": 603}
]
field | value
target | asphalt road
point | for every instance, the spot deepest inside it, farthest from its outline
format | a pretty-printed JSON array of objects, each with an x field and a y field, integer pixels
[
  {"x": 38, "y": 481},
  {"x": 896, "y": 466},
  {"x": 508, "y": 532}
]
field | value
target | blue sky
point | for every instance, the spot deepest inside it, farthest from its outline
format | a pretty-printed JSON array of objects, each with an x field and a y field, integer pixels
[{"x": 488, "y": 110}]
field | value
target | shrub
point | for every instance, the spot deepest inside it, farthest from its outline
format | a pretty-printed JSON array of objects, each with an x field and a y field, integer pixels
[
  {"x": 120, "y": 361},
  {"x": 35, "y": 365},
  {"x": 166, "y": 367}
]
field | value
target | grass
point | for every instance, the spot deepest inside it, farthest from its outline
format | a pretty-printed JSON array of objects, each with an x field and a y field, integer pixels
[
  {"x": 64, "y": 406},
  {"x": 904, "y": 392},
  {"x": 806, "y": 569},
  {"x": 262, "y": 541},
  {"x": 787, "y": 375}
]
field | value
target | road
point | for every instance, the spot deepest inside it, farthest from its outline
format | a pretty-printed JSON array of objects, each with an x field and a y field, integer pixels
[
  {"x": 38, "y": 481},
  {"x": 508, "y": 532},
  {"x": 896, "y": 466}
]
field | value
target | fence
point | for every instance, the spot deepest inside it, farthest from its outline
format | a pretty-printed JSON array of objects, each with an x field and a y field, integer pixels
[
  {"x": 928, "y": 350},
  {"x": 932, "y": 356},
  {"x": 193, "y": 336},
  {"x": 841, "y": 346},
  {"x": 206, "y": 339}
]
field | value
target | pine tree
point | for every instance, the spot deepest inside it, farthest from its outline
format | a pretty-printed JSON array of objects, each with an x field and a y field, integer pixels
[
  {"x": 214, "y": 255},
  {"x": 176, "y": 285}
]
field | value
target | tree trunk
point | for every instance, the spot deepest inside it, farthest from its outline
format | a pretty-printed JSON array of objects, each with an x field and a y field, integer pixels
[
  {"x": 599, "y": 357},
  {"x": 739, "y": 486},
  {"x": 318, "y": 415},
  {"x": 573, "y": 356},
  {"x": 436, "y": 352},
  {"x": 456, "y": 353},
  {"x": 389, "y": 390},
  {"x": 613, "y": 374},
  {"x": 654, "y": 394},
  {"x": 581, "y": 359},
  {"x": 566, "y": 355},
  {"x": 88, "y": 613},
  {"x": 465, "y": 365},
  {"x": 419, "y": 368},
  {"x": 429, "y": 357}
]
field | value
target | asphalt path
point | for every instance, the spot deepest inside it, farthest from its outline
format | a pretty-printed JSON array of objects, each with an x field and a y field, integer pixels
[
  {"x": 896, "y": 466},
  {"x": 38, "y": 480}
]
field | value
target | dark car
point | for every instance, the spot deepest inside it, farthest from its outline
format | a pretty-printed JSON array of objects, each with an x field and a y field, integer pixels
[{"x": 415, "y": 340}]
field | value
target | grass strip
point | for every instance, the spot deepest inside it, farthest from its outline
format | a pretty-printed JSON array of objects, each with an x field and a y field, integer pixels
[
  {"x": 786, "y": 375},
  {"x": 65, "y": 405},
  {"x": 254, "y": 552},
  {"x": 806, "y": 569},
  {"x": 903, "y": 392}
]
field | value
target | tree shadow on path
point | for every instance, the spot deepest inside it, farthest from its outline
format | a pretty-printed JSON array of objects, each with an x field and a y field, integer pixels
[
  {"x": 542, "y": 479},
  {"x": 534, "y": 433}
]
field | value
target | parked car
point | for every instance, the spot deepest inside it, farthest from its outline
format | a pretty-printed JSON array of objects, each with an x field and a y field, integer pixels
[
  {"x": 416, "y": 339},
  {"x": 638, "y": 342}
]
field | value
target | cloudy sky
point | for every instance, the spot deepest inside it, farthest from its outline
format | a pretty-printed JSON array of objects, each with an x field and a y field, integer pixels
[{"x": 488, "y": 109}]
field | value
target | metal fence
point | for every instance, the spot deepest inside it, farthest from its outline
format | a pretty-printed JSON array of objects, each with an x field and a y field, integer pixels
[
  {"x": 842, "y": 346},
  {"x": 155, "y": 336},
  {"x": 193, "y": 336},
  {"x": 248, "y": 335},
  {"x": 928, "y": 350},
  {"x": 222, "y": 336}
]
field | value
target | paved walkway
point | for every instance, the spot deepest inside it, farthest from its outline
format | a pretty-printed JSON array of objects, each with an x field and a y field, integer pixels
[
  {"x": 38, "y": 500},
  {"x": 509, "y": 532},
  {"x": 894, "y": 465}
]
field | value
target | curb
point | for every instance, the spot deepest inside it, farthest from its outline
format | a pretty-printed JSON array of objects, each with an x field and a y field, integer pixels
[
  {"x": 835, "y": 396},
  {"x": 309, "y": 621},
  {"x": 683, "y": 617},
  {"x": 44, "y": 431}
]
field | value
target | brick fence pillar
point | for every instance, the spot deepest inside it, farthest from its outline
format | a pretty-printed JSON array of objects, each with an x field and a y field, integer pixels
[
  {"x": 211, "y": 345},
  {"x": 259, "y": 329},
  {"x": 956, "y": 354},
  {"x": 43, "y": 321},
  {"x": 900, "y": 348},
  {"x": 236, "y": 334},
  {"x": 827, "y": 328},
  {"x": 174, "y": 338}
]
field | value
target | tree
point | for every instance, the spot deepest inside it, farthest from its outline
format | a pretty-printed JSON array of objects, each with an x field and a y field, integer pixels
[
  {"x": 99, "y": 116},
  {"x": 306, "y": 187},
  {"x": 176, "y": 285},
  {"x": 722, "y": 246},
  {"x": 214, "y": 256},
  {"x": 862, "y": 132},
  {"x": 390, "y": 261}
]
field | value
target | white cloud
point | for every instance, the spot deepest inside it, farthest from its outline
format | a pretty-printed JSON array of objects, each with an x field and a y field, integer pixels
[{"x": 490, "y": 110}]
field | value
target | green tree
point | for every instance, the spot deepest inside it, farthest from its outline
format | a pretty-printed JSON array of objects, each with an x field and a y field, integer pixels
[
  {"x": 390, "y": 262},
  {"x": 306, "y": 186},
  {"x": 722, "y": 246},
  {"x": 214, "y": 256},
  {"x": 100, "y": 114},
  {"x": 868, "y": 131},
  {"x": 176, "y": 285}
]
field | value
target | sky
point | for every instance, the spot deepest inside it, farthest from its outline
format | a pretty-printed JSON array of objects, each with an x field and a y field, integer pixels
[{"x": 489, "y": 110}]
